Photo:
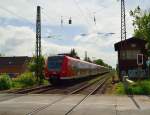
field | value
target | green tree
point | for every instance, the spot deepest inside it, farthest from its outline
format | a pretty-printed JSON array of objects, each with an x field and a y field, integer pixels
[
  {"x": 5, "y": 82},
  {"x": 33, "y": 66},
  {"x": 102, "y": 63},
  {"x": 73, "y": 53},
  {"x": 99, "y": 62},
  {"x": 141, "y": 23}
]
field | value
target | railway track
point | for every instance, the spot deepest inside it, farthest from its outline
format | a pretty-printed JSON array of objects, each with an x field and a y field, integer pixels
[
  {"x": 62, "y": 89},
  {"x": 72, "y": 88},
  {"x": 39, "y": 88},
  {"x": 98, "y": 85},
  {"x": 24, "y": 91},
  {"x": 18, "y": 93},
  {"x": 48, "y": 89}
]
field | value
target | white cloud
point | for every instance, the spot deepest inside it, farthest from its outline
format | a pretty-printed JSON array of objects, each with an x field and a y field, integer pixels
[
  {"x": 21, "y": 40},
  {"x": 17, "y": 40},
  {"x": 98, "y": 46}
]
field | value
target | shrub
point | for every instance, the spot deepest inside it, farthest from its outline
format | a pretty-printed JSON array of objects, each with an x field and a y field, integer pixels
[
  {"x": 5, "y": 82},
  {"x": 141, "y": 88},
  {"x": 145, "y": 85},
  {"x": 25, "y": 80},
  {"x": 33, "y": 66}
]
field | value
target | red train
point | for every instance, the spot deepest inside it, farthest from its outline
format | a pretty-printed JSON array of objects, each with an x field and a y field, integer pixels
[{"x": 62, "y": 67}]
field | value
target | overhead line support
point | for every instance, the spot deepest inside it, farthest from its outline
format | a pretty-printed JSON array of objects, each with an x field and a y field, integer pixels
[{"x": 38, "y": 41}]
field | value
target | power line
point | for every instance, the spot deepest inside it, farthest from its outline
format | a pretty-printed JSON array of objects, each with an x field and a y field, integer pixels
[
  {"x": 81, "y": 12},
  {"x": 15, "y": 14},
  {"x": 92, "y": 16},
  {"x": 46, "y": 15}
]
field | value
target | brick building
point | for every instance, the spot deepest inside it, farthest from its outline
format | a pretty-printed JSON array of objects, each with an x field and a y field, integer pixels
[
  {"x": 14, "y": 65},
  {"x": 132, "y": 58}
]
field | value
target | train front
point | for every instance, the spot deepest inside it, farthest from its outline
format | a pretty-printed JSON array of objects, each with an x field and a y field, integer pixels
[{"x": 53, "y": 68}]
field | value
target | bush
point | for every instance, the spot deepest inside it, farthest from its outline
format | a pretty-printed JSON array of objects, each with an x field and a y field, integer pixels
[
  {"x": 25, "y": 80},
  {"x": 5, "y": 82},
  {"x": 33, "y": 66},
  {"x": 141, "y": 88}
]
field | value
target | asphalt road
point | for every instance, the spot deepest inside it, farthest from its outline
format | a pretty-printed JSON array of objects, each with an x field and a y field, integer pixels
[{"x": 50, "y": 104}]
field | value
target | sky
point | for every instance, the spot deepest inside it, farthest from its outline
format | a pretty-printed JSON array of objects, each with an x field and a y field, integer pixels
[{"x": 18, "y": 19}]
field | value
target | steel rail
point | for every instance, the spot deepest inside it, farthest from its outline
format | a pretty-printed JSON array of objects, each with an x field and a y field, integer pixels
[
  {"x": 34, "y": 111},
  {"x": 15, "y": 94},
  {"x": 32, "y": 89},
  {"x": 99, "y": 85}
]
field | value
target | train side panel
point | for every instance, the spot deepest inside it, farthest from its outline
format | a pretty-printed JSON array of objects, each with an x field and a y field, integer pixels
[
  {"x": 79, "y": 69},
  {"x": 71, "y": 68}
]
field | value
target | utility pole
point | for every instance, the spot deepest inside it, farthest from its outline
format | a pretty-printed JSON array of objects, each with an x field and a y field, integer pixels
[
  {"x": 38, "y": 41},
  {"x": 123, "y": 20},
  {"x": 123, "y": 35}
]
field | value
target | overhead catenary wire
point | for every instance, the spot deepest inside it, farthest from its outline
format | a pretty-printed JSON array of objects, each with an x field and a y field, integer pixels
[
  {"x": 91, "y": 14},
  {"x": 48, "y": 17},
  {"x": 85, "y": 17},
  {"x": 15, "y": 14},
  {"x": 81, "y": 12}
]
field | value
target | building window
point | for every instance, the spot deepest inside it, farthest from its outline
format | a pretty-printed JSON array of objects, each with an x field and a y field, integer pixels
[
  {"x": 129, "y": 54},
  {"x": 140, "y": 59},
  {"x": 133, "y": 45}
]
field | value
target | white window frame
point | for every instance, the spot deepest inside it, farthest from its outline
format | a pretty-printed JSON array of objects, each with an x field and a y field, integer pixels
[{"x": 138, "y": 59}]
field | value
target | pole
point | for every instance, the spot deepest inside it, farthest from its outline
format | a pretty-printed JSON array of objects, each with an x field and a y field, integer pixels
[
  {"x": 38, "y": 41},
  {"x": 123, "y": 35},
  {"x": 123, "y": 20}
]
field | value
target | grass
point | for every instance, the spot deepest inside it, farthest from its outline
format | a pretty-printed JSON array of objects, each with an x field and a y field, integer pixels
[
  {"x": 120, "y": 89},
  {"x": 24, "y": 80},
  {"x": 140, "y": 88}
]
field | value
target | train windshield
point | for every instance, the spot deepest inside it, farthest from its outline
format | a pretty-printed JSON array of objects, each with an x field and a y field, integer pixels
[{"x": 55, "y": 62}]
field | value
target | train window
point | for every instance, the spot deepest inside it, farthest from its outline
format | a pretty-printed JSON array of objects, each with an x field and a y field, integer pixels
[{"x": 55, "y": 62}]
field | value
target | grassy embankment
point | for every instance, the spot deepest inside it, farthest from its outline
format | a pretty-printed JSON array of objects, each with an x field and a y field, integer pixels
[
  {"x": 22, "y": 81},
  {"x": 139, "y": 88}
]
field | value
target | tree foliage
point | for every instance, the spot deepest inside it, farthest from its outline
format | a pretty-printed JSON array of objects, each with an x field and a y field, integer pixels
[
  {"x": 5, "y": 82},
  {"x": 73, "y": 53},
  {"x": 141, "y": 23},
  {"x": 102, "y": 63},
  {"x": 33, "y": 66}
]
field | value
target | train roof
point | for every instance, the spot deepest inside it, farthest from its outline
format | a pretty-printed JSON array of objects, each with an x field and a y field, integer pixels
[
  {"x": 77, "y": 60},
  {"x": 84, "y": 61}
]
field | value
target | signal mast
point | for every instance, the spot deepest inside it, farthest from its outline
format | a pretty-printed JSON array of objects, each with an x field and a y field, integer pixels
[
  {"x": 123, "y": 20},
  {"x": 38, "y": 41}
]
